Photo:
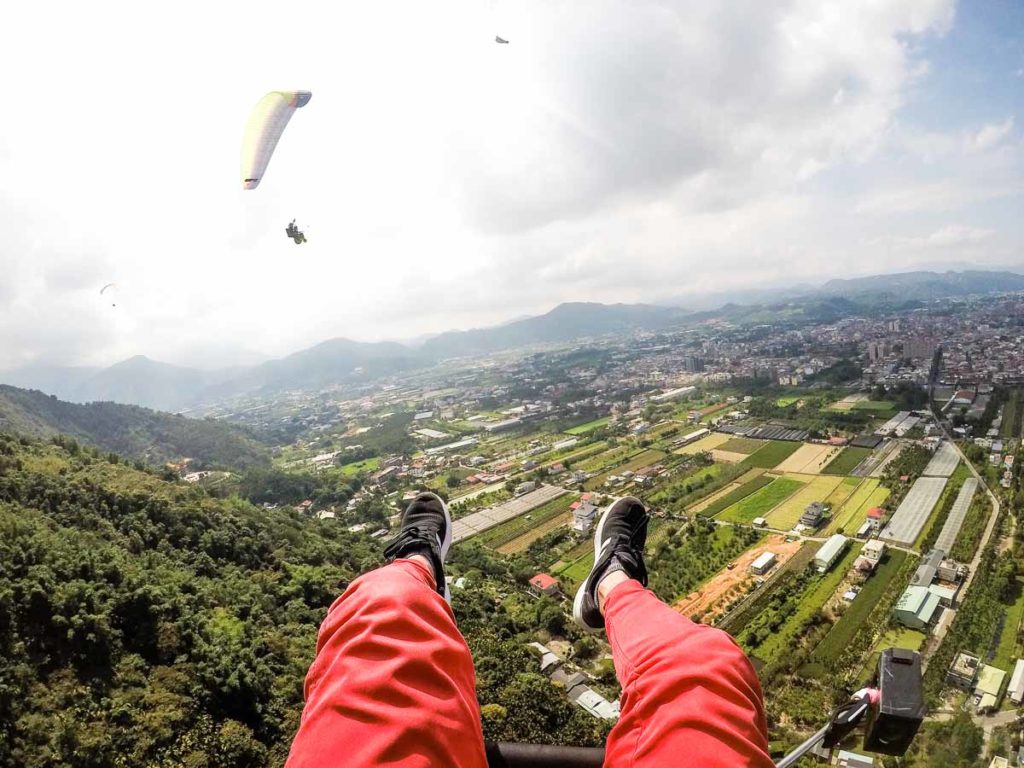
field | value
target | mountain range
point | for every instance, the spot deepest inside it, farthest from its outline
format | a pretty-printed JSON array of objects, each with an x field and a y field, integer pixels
[{"x": 142, "y": 381}]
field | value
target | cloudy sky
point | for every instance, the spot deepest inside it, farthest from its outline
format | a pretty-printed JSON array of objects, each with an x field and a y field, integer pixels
[{"x": 613, "y": 151}]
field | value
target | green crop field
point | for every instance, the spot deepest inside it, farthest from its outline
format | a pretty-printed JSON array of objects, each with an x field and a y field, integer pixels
[
  {"x": 1007, "y": 649},
  {"x": 1010, "y": 426},
  {"x": 761, "y": 502},
  {"x": 606, "y": 458},
  {"x": 846, "y": 461},
  {"x": 775, "y": 452},
  {"x": 644, "y": 459},
  {"x": 820, "y": 588},
  {"x": 856, "y": 614},
  {"x": 868, "y": 494},
  {"x": 517, "y": 526},
  {"x": 782, "y": 402},
  {"x": 873, "y": 405},
  {"x": 366, "y": 465},
  {"x": 741, "y": 445},
  {"x": 787, "y": 514},
  {"x": 736, "y": 495},
  {"x": 590, "y": 426}
]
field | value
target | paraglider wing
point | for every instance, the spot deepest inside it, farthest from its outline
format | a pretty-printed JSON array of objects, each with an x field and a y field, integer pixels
[
  {"x": 110, "y": 290},
  {"x": 500, "y": 40},
  {"x": 263, "y": 130}
]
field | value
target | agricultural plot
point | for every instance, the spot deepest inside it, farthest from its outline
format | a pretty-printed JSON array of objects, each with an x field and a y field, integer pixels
[
  {"x": 1010, "y": 426},
  {"x": 818, "y": 592},
  {"x": 772, "y": 454},
  {"x": 874, "y": 405},
  {"x": 714, "y": 440},
  {"x": 605, "y": 459},
  {"x": 712, "y": 599},
  {"x": 743, "y": 445},
  {"x": 575, "y": 454},
  {"x": 1008, "y": 647},
  {"x": 848, "y": 402},
  {"x": 644, "y": 459},
  {"x": 518, "y": 534},
  {"x": 850, "y": 515},
  {"x": 730, "y": 495},
  {"x": 847, "y": 461},
  {"x": 951, "y": 528},
  {"x": 788, "y": 400},
  {"x": 786, "y": 515},
  {"x": 727, "y": 457},
  {"x": 856, "y": 614},
  {"x": 779, "y": 582},
  {"x": 711, "y": 498},
  {"x": 761, "y": 502},
  {"x": 356, "y": 467},
  {"x": 485, "y": 519},
  {"x": 912, "y": 513},
  {"x": 809, "y": 458},
  {"x": 590, "y": 426}
]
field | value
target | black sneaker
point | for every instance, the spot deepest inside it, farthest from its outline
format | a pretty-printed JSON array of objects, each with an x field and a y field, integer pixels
[
  {"x": 426, "y": 530},
  {"x": 618, "y": 546}
]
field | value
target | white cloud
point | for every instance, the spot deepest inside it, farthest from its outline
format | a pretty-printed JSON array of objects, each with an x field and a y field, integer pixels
[{"x": 613, "y": 151}]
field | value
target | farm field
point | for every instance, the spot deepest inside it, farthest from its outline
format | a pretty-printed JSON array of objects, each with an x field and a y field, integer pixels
[
  {"x": 366, "y": 465},
  {"x": 856, "y": 614},
  {"x": 590, "y": 426},
  {"x": 772, "y": 454},
  {"x": 782, "y": 402},
  {"x": 1010, "y": 426},
  {"x": 779, "y": 579},
  {"x": 759, "y": 503},
  {"x": 867, "y": 495},
  {"x": 738, "y": 492},
  {"x": 809, "y": 458},
  {"x": 874, "y": 405},
  {"x": 606, "y": 458},
  {"x": 1008, "y": 646},
  {"x": 817, "y": 488},
  {"x": 848, "y": 402},
  {"x": 576, "y": 454},
  {"x": 727, "y": 457},
  {"x": 714, "y": 440},
  {"x": 821, "y": 588},
  {"x": 712, "y": 599},
  {"x": 744, "y": 445},
  {"x": 846, "y": 461},
  {"x": 643, "y": 459},
  {"x": 707, "y": 501},
  {"x": 525, "y": 525}
]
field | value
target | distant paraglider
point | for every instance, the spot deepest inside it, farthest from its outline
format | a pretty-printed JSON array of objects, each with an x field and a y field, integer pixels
[
  {"x": 295, "y": 233},
  {"x": 266, "y": 123},
  {"x": 110, "y": 290},
  {"x": 500, "y": 40}
]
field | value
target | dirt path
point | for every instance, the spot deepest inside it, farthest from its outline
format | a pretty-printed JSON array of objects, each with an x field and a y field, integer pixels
[{"x": 712, "y": 597}]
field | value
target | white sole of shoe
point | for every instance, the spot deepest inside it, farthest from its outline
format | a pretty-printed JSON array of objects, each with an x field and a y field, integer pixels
[{"x": 447, "y": 543}]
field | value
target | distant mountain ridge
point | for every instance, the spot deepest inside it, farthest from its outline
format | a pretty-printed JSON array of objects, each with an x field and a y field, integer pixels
[
  {"x": 129, "y": 430},
  {"x": 142, "y": 381}
]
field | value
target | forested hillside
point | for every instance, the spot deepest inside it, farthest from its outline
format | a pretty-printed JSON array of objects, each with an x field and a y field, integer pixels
[
  {"x": 144, "y": 623},
  {"x": 138, "y": 433}
]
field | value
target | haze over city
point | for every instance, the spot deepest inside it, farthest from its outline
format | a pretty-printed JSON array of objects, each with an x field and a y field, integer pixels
[{"x": 611, "y": 152}]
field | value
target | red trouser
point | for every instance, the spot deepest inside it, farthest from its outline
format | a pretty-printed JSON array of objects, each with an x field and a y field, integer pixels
[{"x": 393, "y": 684}]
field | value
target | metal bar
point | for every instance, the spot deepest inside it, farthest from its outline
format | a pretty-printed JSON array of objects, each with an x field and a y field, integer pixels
[
  {"x": 508, "y": 755},
  {"x": 803, "y": 749}
]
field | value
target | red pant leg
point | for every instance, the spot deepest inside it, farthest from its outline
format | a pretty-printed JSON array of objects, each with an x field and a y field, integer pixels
[
  {"x": 392, "y": 683},
  {"x": 689, "y": 695}
]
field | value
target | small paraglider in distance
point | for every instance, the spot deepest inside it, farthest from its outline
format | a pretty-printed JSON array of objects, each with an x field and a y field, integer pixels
[
  {"x": 109, "y": 290},
  {"x": 500, "y": 40},
  {"x": 266, "y": 123},
  {"x": 295, "y": 233}
]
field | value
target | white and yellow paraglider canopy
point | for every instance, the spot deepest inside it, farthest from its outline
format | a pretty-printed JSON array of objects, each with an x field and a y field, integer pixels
[{"x": 263, "y": 130}]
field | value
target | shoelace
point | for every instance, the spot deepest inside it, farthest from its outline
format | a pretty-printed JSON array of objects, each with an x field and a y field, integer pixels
[
  {"x": 629, "y": 554},
  {"x": 408, "y": 536}
]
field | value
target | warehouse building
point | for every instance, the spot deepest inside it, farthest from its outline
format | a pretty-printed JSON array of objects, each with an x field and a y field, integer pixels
[
  {"x": 1016, "y": 689},
  {"x": 830, "y": 552},
  {"x": 917, "y": 608},
  {"x": 763, "y": 564}
]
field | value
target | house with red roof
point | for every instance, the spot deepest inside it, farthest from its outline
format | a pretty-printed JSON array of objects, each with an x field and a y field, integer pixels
[{"x": 545, "y": 584}]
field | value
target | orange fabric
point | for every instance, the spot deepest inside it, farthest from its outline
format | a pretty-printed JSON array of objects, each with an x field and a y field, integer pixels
[
  {"x": 689, "y": 695},
  {"x": 392, "y": 683}
]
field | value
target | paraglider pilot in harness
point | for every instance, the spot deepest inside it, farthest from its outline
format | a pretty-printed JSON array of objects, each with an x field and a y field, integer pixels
[
  {"x": 294, "y": 233},
  {"x": 393, "y": 682}
]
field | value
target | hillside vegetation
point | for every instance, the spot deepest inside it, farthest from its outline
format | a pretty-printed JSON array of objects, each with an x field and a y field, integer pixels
[
  {"x": 128, "y": 430},
  {"x": 145, "y": 623}
]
